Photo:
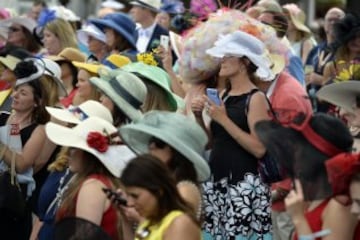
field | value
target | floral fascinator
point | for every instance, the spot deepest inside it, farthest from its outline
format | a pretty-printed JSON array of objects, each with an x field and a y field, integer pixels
[{"x": 196, "y": 65}]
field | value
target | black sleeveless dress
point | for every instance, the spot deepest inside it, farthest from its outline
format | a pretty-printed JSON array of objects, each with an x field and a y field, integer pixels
[{"x": 236, "y": 202}]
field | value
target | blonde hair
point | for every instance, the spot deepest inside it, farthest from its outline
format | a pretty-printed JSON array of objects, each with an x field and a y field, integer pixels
[
  {"x": 156, "y": 99},
  {"x": 61, "y": 161},
  {"x": 64, "y": 31},
  {"x": 52, "y": 90}
]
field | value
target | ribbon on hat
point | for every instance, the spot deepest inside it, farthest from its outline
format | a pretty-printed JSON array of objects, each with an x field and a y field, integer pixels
[{"x": 125, "y": 94}]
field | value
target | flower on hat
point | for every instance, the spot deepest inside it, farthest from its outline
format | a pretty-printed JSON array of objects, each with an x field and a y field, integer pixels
[
  {"x": 98, "y": 141},
  {"x": 147, "y": 58}
]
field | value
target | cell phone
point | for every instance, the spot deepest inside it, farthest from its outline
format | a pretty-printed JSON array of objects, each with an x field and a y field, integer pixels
[
  {"x": 164, "y": 42},
  {"x": 116, "y": 197},
  {"x": 213, "y": 95}
]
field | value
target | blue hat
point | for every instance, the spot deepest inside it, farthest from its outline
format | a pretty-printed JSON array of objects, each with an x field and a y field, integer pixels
[{"x": 121, "y": 23}]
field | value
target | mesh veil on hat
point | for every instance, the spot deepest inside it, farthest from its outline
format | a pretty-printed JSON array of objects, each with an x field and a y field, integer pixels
[{"x": 177, "y": 130}]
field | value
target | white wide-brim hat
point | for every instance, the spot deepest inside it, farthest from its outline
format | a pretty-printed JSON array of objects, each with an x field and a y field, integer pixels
[
  {"x": 153, "y": 5},
  {"x": 241, "y": 44},
  {"x": 115, "y": 158},
  {"x": 176, "y": 130},
  {"x": 77, "y": 114},
  {"x": 342, "y": 94}
]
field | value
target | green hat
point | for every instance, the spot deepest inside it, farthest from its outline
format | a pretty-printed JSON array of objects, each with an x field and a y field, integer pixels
[
  {"x": 159, "y": 77},
  {"x": 175, "y": 129},
  {"x": 126, "y": 90}
]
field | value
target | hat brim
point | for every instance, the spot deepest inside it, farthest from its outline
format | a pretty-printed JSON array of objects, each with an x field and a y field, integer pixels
[
  {"x": 299, "y": 25},
  {"x": 105, "y": 87},
  {"x": 142, "y": 4},
  {"x": 103, "y": 23},
  {"x": 137, "y": 137},
  {"x": 92, "y": 68},
  {"x": 62, "y": 114},
  {"x": 263, "y": 71},
  {"x": 342, "y": 94},
  {"x": 10, "y": 64},
  {"x": 67, "y": 137}
]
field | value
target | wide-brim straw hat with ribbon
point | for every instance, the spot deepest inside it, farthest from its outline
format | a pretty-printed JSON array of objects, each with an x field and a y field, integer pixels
[
  {"x": 126, "y": 90},
  {"x": 76, "y": 114},
  {"x": 196, "y": 65},
  {"x": 176, "y": 130},
  {"x": 95, "y": 136},
  {"x": 342, "y": 94},
  {"x": 69, "y": 55}
]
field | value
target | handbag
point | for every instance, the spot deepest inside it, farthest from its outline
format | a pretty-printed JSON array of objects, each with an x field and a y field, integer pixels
[{"x": 268, "y": 167}]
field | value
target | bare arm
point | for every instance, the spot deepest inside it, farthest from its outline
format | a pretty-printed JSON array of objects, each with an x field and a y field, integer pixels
[
  {"x": 92, "y": 201},
  {"x": 36, "y": 229},
  {"x": 307, "y": 46},
  {"x": 343, "y": 229},
  {"x": 30, "y": 152},
  {"x": 191, "y": 194},
  {"x": 182, "y": 228}
]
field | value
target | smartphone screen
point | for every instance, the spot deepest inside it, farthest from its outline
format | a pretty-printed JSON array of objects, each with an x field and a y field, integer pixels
[{"x": 213, "y": 95}]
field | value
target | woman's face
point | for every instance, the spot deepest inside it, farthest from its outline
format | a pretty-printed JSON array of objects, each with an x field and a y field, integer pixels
[
  {"x": 230, "y": 66},
  {"x": 110, "y": 37},
  {"x": 16, "y": 35},
  {"x": 95, "y": 46},
  {"x": 51, "y": 43},
  {"x": 7, "y": 75},
  {"x": 144, "y": 202},
  {"x": 76, "y": 160},
  {"x": 83, "y": 84},
  {"x": 354, "y": 44},
  {"x": 161, "y": 151},
  {"x": 23, "y": 98},
  {"x": 106, "y": 101}
]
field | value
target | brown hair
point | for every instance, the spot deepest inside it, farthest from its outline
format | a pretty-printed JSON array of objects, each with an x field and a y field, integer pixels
[
  {"x": 61, "y": 161},
  {"x": 30, "y": 44},
  {"x": 51, "y": 88},
  {"x": 150, "y": 173},
  {"x": 156, "y": 99},
  {"x": 120, "y": 43}
]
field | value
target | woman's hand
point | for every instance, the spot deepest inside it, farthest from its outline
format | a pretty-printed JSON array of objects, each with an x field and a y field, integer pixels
[
  {"x": 216, "y": 112},
  {"x": 197, "y": 105},
  {"x": 166, "y": 58},
  {"x": 294, "y": 202}
]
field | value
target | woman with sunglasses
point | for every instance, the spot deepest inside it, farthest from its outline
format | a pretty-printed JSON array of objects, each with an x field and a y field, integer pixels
[{"x": 152, "y": 191}]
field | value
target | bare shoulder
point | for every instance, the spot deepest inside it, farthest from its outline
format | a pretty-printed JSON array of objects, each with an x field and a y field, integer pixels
[{"x": 183, "y": 227}]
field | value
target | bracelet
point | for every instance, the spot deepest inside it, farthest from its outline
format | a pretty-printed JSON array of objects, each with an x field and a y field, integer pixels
[{"x": 315, "y": 235}]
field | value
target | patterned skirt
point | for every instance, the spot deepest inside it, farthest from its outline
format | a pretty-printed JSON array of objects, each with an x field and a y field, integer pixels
[{"x": 237, "y": 211}]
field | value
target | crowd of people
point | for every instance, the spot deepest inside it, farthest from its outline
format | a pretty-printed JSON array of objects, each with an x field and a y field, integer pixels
[{"x": 150, "y": 121}]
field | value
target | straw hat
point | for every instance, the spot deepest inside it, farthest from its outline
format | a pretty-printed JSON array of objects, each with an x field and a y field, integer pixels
[
  {"x": 9, "y": 61},
  {"x": 180, "y": 132},
  {"x": 241, "y": 44},
  {"x": 90, "y": 67},
  {"x": 126, "y": 90},
  {"x": 93, "y": 136},
  {"x": 159, "y": 77},
  {"x": 69, "y": 54},
  {"x": 76, "y": 114},
  {"x": 342, "y": 94},
  {"x": 153, "y": 5},
  {"x": 114, "y": 61},
  {"x": 297, "y": 17}
]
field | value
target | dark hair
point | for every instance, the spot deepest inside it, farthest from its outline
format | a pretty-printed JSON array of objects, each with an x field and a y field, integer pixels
[
  {"x": 73, "y": 70},
  {"x": 14, "y": 51},
  {"x": 150, "y": 173},
  {"x": 31, "y": 43},
  {"x": 180, "y": 166},
  {"x": 119, "y": 116},
  {"x": 121, "y": 43}
]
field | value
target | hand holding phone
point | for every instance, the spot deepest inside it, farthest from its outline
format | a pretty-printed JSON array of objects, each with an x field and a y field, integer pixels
[
  {"x": 164, "y": 42},
  {"x": 115, "y": 197},
  {"x": 213, "y": 95}
]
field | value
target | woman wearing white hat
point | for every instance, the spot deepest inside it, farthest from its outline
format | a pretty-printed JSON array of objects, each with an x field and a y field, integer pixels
[
  {"x": 96, "y": 158},
  {"x": 236, "y": 148}
]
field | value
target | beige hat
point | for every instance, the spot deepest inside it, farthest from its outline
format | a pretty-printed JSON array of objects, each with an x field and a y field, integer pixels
[
  {"x": 153, "y": 5},
  {"x": 95, "y": 136},
  {"x": 10, "y": 61},
  {"x": 76, "y": 114},
  {"x": 26, "y": 22},
  {"x": 69, "y": 54},
  {"x": 297, "y": 17}
]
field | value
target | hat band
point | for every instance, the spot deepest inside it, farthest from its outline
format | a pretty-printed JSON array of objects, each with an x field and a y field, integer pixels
[
  {"x": 319, "y": 142},
  {"x": 109, "y": 64},
  {"x": 125, "y": 94}
]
